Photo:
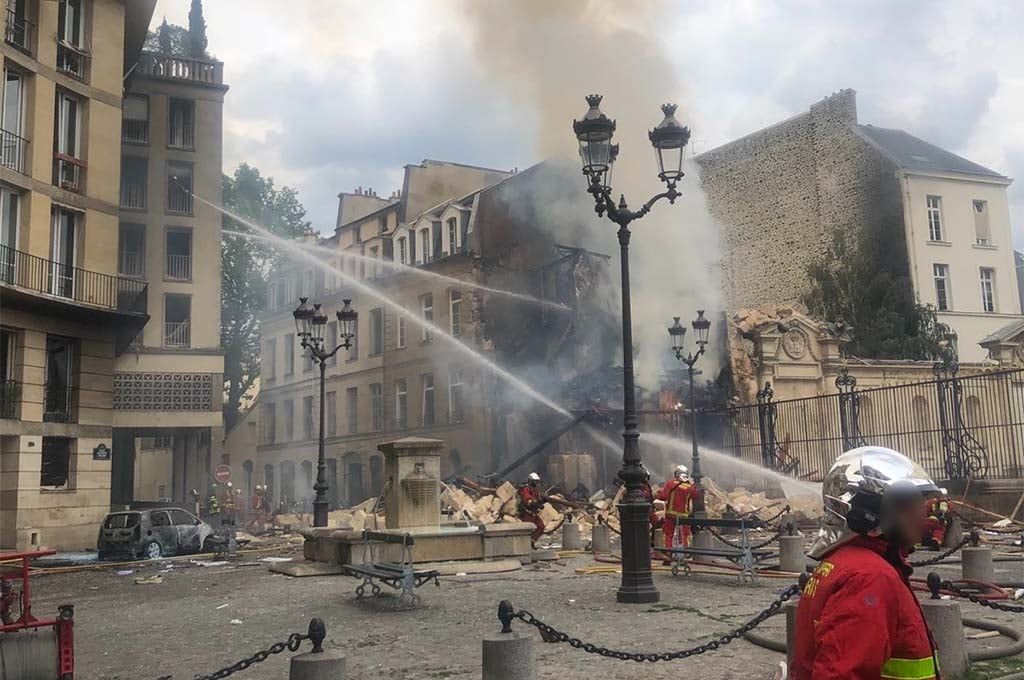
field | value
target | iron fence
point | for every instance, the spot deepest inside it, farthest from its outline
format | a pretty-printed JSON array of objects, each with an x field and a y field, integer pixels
[
  {"x": 13, "y": 151},
  {"x": 955, "y": 426},
  {"x": 18, "y": 30}
]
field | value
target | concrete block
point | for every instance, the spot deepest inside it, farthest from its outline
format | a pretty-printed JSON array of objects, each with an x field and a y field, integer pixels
[
  {"x": 790, "y": 609},
  {"x": 791, "y": 554},
  {"x": 601, "y": 539},
  {"x": 507, "y": 656},
  {"x": 571, "y": 539},
  {"x": 704, "y": 539},
  {"x": 977, "y": 564},
  {"x": 325, "y": 665},
  {"x": 946, "y": 624}
]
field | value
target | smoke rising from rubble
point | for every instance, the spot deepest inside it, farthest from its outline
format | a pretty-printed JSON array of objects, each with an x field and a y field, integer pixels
[{"x": 549, "y": 55}]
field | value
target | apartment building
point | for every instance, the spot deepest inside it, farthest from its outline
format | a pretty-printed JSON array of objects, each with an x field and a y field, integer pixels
[
  {"x": 168, "y": 386},
  {"x": 66, "y": 315}
]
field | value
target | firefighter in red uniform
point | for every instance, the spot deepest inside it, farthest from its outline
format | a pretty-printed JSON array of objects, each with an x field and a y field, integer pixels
[
  {"x": 858, "y": 619},
  {"x": 937, "y": 521},
  {"x": 678, "y": 494},
  {"x": 530, "y": 501},
  {"x": 648, "y": 492}
]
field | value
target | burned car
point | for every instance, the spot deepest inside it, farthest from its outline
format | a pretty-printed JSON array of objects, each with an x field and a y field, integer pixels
[{"x": 152, "y": 534}]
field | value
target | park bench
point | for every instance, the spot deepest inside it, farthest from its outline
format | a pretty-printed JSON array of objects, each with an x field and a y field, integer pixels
[
  {"x": 402, "y": 576},
  {"x": 744, "y": 555}
]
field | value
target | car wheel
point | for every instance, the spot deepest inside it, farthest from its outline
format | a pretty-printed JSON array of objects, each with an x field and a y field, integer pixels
[{"x": 153, "y": 551}]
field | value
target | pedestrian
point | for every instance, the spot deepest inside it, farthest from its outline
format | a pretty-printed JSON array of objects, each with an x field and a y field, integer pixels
[
  {"x": 679, "y": 494},
  {"x": 858, "y": 618},
  {"x": 530, "y": 502}
]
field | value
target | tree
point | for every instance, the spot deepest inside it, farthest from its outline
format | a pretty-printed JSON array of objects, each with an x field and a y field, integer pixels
[
  {"x": 246, "y": 268},
  {"x": 169, "y": 39},
  {"x": 197, "y": 30}
]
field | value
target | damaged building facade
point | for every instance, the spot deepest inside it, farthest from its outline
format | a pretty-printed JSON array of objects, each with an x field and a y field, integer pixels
[{"x": 400, "y": 378}]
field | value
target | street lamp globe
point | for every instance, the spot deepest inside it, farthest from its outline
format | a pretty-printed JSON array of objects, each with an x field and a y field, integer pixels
[
  {"x": 700, "y": 329},
  {"x": 594, "y": 134},
  {"x": 303, "y": 315},
  {"x": 669, "y": 138},
  {"x": 318, "y": 323},
  {"x": 347, "y": 321},
  {"x": 678, "y": 333}
]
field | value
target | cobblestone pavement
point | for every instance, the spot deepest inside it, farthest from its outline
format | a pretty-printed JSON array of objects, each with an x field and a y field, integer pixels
[{"x": 129, "y": 631}]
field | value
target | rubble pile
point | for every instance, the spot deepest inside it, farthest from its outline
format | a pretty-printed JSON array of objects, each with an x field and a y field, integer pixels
[
  {"x": 356, "y": 518},
  {"x": 743, "y": 502}
]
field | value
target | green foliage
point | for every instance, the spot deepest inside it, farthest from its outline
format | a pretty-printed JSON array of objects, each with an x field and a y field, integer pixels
[
  {"x": 197, "y": 30},
  {"x": 864, "y": 283},
  {"x": 246, "y": 268},
  {"x": 178, "y": 41}
]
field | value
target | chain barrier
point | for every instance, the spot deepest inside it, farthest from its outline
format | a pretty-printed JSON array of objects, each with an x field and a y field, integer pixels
[
  {"x": 991, "y": 604},
  {"x": 549, "y": 634},
  {"x": 753, "y": 546},
  {"x": 316, "y": 633},
  {"x": 941, "y": 556}
]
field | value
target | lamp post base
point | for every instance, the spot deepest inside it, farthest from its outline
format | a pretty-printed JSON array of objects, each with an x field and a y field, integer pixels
[
  {"x": 637, "y": 585},
  {"x": 319, "y": 513}
]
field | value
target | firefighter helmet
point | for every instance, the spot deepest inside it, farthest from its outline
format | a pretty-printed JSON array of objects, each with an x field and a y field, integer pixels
[
  {"x": 681, "y": 473},
  {"x": 857, "y": 490},
  {"x": 533, "y": 478}
]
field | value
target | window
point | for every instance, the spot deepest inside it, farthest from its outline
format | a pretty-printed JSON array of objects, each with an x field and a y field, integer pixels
[
  {"x": 353, "y": 351},
  {"x": 289, "y": 420},
  {"x": 289, "y": 354},
  {"x": 375, "y": 254},
  {"x": 382, "y": 224},
  {"x": 424, "y": 245},
  {"x": 401, "y": 404},
  {"x": 376, "y": 331},
  {"x": 12, "y": 145},
  {"x": 376, "y": 407},
  {"x": 179, "y": 187},
  {"x": 268, "y": 424},
  {"x": 55, "y": 468},
  {"x": 134, "y": 176},
  {"x": 455, "y": 308},
  {"x": 988, "y": 291},
  {"x": 400, "y": 340},
  {"x": 453, "y": 235},
  {"x": 60, "y": 387},
  {"x": 982, "y": 230},
  {"x": 135, "y": 119},
  {"x": 331, "y": 341},
  {"x": 941, "y": 272},
  {"x": 68, "y": 170},
  {"x": 427, "y": 311},
  {"x": 63, "y": 251},
  {"x": 10, "y": 392},
  {"x": 10, "y": 218},
  {"x": 268, "y": 363},
  {"x": 177, "y": 320},
  {"x": 71, "y": 38},
  {"x": 131, "y": 250},
  {"x": 456, "y": 404},
  {"x": 402, "y": 251},
  {"x": 427, "y": 414},
  {"x": 307, "y": 417},
  {"x": 17, "y": 24},
  {"x": 934, "y": 218},
  {"x": 352, "y": 404},
  {"x": 181, "y": 124},
  {"x": 178, "y": 263},
  {"x": 332, "y": 414}
]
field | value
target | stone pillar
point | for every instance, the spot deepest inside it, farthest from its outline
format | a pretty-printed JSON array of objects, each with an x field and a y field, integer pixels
[
  {"x": 507, "y": 656},
  {"x": 946, "y": 624},
  {"x": 977, "y": 564},
  {"x": 791, "y": 554},
  {"x": 325, "y": 665},
  {"x": 790, "y": 608},
  {"x": 601, "y": 539},
  {"x": 571, "y": 536},
  {"x": 412, "y": 468}
]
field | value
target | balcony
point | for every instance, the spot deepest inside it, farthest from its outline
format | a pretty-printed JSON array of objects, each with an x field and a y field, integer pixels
[
  {"x": 68, "y": 172},
  {"x": 58, "y": 403},
  {"x": 10, "y": 393},
  {"x": 131, "y": 263},
  {"x": 134, "y": 131},
  {"x": 198, "y": 71},
  {"x": 177, "y": 334},
  {"x": 71, "y": 60},
  {"x": 13, "y": 151},
  {"x": 133, "y": 194},
  {"x": 179, "y": 199},
  {"x": 18, "y": 31},
  {"x": 179, "y": 267}
]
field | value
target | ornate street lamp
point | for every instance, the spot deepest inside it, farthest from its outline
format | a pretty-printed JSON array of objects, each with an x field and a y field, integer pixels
[
  {"x": 701, "y": 326},
  {"x": 310, "y": 323},
  {"x": 594, "y": 133}
]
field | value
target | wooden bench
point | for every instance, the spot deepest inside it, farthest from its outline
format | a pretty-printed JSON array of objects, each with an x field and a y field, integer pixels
[
  {"x": 744, "y": 556},
  {"x": 402, "y": 576}
]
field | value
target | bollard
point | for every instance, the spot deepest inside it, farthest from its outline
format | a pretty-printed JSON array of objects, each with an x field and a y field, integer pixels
[
  {"x": 571, "y": 539},
  {"x": 954, "y": 532},
  {"x": 317, "y": 664},
  {"x": 507, "y": 655},
  {"x": 791, "y": 554},
  {"x": 945, "y": 622},
  {"x": 601, "y": 539},
  {"x": 703, "y": 539},
  {"x": 977, "y": 564}
]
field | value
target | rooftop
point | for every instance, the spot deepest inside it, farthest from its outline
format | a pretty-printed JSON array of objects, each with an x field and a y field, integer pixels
[{"x": 912, "y": 153}]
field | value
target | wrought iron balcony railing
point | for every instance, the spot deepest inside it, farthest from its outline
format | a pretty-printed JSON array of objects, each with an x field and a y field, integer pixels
[
  {"x": 133, "y": 194},
  {"x": 78, "y": 285},
  {"x": 179, "y": 267},
  {"x": 131, "y": 263},
  {"x": 13, "y": 151},
  {"x": 158, "y": 65},
  {"x": 182, "y": 136},
  {"x": 71, "y": 60},
  {"x": 68, "y": 172},
  {"x": 59, "y": 403},
  {"x": 18, "y": 31},
  {"x": 10, "y": 393},
  {"x": 179, "y": 200},
  {"x": 177, "y": 334},
  {"x": 134, "y": 131}
]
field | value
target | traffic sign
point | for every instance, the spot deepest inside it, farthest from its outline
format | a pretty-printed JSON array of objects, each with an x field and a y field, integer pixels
[{"x": 222, "y": 473}]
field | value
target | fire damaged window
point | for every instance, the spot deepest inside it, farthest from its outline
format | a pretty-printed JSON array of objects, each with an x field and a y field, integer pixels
[
  {"x": 427, "y": 413},
  {"x": 55, "y": 469}
]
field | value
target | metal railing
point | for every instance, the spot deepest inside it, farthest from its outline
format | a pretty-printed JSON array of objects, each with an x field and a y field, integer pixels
[
  {"x": 181, "y": 136},
  {"x": 179, "y": 200},
  {"x": 177, "y": 334},
  {"x": 71, "y": 60},
  {"x": 68, "y": 172},
  {"x": 10, "y": 393},
  {"x": 59, "y": 403},
  {"x": 18, "y": 31},
  {"x": 158, "y": 65},
  {"x": 37, "y": 274},
  {"x": 131, "y": 263},
  {"x": 133, "y": 194},
  {"x": 134, "y": 131},
  {"x": 179, "y": 267},
  {"x": 13, "y": 151}
]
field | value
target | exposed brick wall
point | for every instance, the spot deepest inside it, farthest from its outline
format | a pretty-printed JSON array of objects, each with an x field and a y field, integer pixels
[{"x": 779, "y": 194}]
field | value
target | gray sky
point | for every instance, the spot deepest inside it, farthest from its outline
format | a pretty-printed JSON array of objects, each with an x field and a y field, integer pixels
[{"x": 327, "y": 95}]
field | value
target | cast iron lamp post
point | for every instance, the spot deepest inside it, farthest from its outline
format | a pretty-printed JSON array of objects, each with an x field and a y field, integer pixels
[
  {"x": 594, "y": 133},
  {"x": 310, "y": 322},
  {"x": 700, "y": 336}
]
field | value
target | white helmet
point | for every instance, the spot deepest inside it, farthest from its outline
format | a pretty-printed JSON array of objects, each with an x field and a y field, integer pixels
[
  {"x": 533, "y": 477},
  {"x": 857, "y": 490},
  {"x": 682, "y": 473}
]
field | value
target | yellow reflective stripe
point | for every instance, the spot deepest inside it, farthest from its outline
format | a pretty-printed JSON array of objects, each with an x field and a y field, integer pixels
[{"x": 909, "y": 669}]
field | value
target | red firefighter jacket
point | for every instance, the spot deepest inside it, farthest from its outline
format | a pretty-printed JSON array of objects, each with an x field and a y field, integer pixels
[
  {"x": 679, "y": 497},
  {"x": 859, "y": 620},
  {"x": 530, "y": 499}
]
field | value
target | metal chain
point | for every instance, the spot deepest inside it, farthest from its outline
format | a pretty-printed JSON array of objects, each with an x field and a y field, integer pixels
[
  {"x": 756, "y": 546},
  {"x": 549, "y": 634},
  {"x": 941, "y": 556},
  {"x": 991, "y": 604},
  {"x": 291, "y": 644}
]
